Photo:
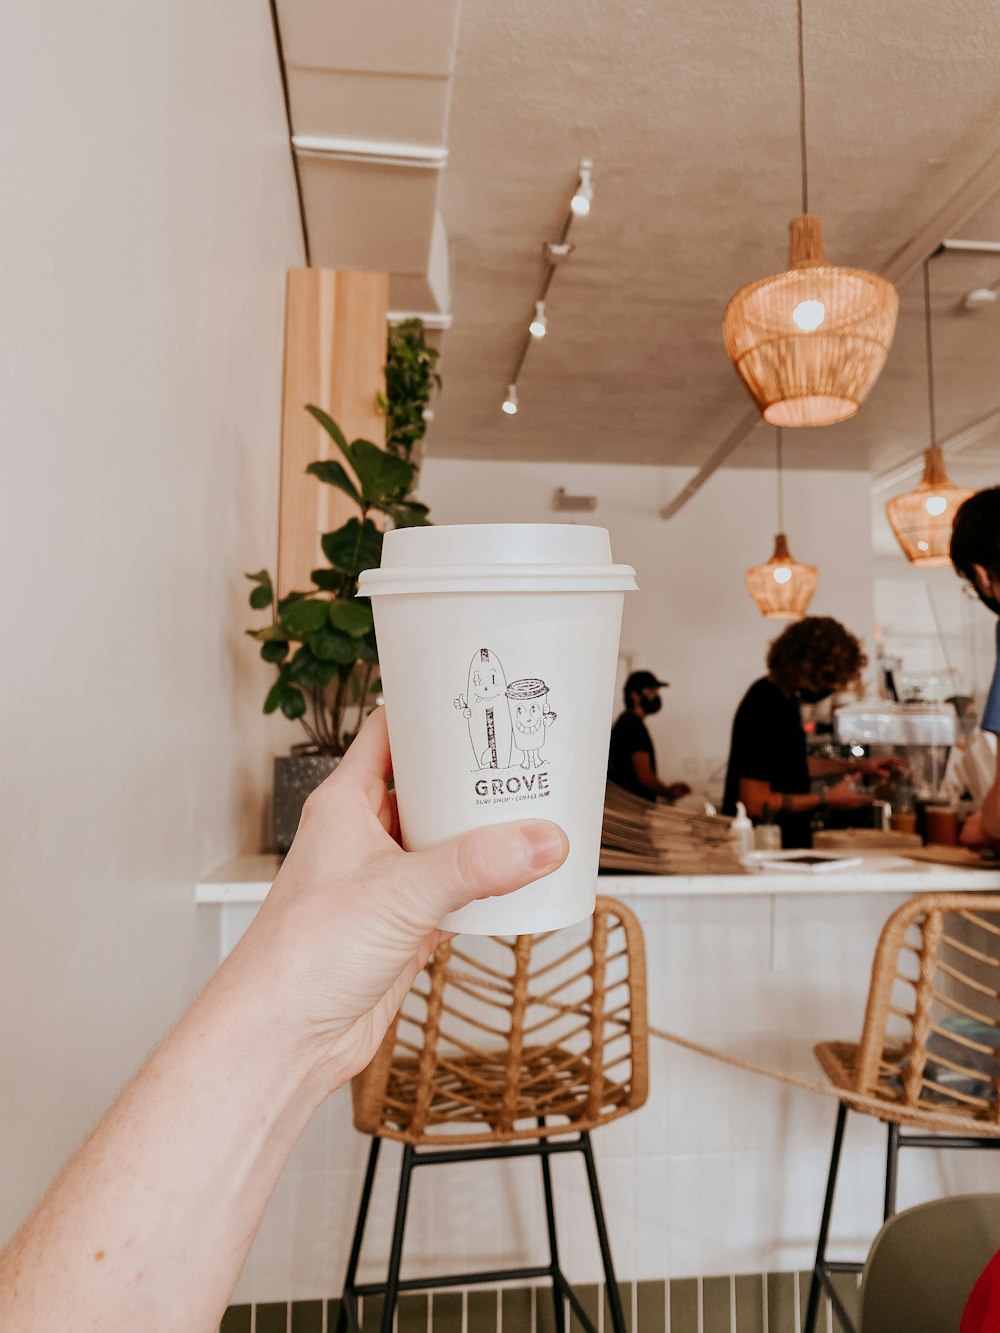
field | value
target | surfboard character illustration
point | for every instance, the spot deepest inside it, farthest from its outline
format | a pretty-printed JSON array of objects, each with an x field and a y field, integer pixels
[
  {"x": 487, "y": 711},
  {"x": 531, "y": 716}
]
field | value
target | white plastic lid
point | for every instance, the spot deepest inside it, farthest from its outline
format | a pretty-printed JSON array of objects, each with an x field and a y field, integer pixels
[{"x": 497, "y": 557}]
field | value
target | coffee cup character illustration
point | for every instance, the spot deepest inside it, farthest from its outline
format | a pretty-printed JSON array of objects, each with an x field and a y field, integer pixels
[
  {"x": 487, "y": 712},
  {"x": 531, "y": 716}
]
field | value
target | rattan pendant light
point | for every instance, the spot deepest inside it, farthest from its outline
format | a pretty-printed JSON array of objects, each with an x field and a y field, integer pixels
[
  {"x": 782, "y": 588},
  {"x": 922, "y": 519},
  {"x": 809, "y": 343}
]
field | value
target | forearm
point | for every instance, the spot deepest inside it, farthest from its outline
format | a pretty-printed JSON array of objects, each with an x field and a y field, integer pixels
[
  {"x": 832, "y": 768},
  {"x": 759, "y": 798},
  {"x": 149, "y": 1224},
  {"x": 991, "y": 812}
]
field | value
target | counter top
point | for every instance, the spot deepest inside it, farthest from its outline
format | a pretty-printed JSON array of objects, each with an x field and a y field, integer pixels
[{"x": 246, "y": 879}]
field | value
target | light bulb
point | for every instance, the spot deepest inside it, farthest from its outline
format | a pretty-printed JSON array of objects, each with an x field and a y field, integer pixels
[
  {"x": 809, "y": 315},
  {"x": 936, "y": 504},
  {"x": 922, "y": 546},
  {"x": 509, "y": 404},
  {"x": 782, "y": 574},
  {"x": 539, "y": 324},
  {"x": 584, "y": 192}
]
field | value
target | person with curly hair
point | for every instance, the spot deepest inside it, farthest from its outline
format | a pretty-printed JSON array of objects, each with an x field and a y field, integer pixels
[
  {"x": 769, "y": 769},
  {"x": 975, "y": 553}
]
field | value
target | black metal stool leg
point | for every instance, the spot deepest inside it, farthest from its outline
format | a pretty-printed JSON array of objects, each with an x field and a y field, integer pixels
[
  {"x": 815, "y": 1286},
  {"x": 359, "y": 1233},
  {"x": 396, "y": 1253},
  {"x": 614, "y": 1296},
  {"x": 558, "y": 1304},
  {"x": 891, "y": 1171}
]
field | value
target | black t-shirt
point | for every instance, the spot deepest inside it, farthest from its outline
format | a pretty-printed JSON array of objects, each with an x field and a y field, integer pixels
[
  {"x": 769, "y": 745},
  {"x": 628, "y": 737}
]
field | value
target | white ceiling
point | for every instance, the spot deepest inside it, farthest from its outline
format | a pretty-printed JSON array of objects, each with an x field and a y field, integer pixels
[{"x": 690, "y": 114}]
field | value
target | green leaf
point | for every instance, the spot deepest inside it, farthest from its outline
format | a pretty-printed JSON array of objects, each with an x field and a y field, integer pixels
[
  {"x": 275, "y": 651},
  {"x": 368, "y": 649},
  {"x": 269, "y": 634},
  {"x": 293, "y": 705},
  {"x": 334, "y": 475},
  {"x": 380, "y": 473},
  {"x": 333, "y": 646},
  {"x": 406, "y": 513},
  {"x": 306, "y": 667},
  {"x": 306, "y": 616},
  {"x": 328, "y": 580},
  {"x": 262, "y": 576},
  {"x": 275, "y": 696},
  {"x": 354, "y": 547},
  {"x": 261, "y": 598},
  {"x": 289, "y": 598},
  {"x": 331, "y": 428},
  {"x": 353, "y": 618}
]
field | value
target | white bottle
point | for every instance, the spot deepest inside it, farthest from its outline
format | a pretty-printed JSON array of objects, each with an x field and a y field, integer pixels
[{"x": 741, "y": 832}]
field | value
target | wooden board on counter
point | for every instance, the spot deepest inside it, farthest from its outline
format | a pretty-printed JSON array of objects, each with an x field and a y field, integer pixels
[{"x": 964, "y": 857}]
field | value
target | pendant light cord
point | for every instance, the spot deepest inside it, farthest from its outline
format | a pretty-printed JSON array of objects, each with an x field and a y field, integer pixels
[
  {"x": 781, "y": 496},
  {"x": 930, "y": 352},
  {"x": 802, "y": 112}
]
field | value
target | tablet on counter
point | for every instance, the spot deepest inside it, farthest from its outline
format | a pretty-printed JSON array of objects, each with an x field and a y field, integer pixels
[{"x": 804, "y": 862}]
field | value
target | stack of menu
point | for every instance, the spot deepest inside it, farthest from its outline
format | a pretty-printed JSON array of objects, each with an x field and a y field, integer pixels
[{"x": 663, "y": 840}]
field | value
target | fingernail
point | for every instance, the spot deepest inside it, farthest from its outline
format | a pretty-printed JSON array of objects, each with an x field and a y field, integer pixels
[{"x": 547, "y": 843}]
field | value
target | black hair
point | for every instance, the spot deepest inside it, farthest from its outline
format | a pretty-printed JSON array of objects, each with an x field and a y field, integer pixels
[{"x": 975, "y": 534}]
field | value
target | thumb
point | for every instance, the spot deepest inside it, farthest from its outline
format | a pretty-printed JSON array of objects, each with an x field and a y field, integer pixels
[{"x": 484, "y": 862}]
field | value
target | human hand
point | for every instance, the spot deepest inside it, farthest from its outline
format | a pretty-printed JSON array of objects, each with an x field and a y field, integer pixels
[
  {"x": 351, "y": 918},
  {"x": 880, "y": 768},
  {"x": 845, "y": 796},
  {"x": 973, "y": 834},
  {"x": 678, "y": 789}
]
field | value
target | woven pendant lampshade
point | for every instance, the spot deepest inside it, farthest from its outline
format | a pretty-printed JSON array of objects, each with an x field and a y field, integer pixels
[
  {"x": 782, "y": 589},
  {"x": 922, "y": 519},
  {"x": 809, "y": 343}
]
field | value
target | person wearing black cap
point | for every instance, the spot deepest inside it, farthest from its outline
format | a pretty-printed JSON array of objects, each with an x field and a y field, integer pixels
[{"x": 632, "y": 758}]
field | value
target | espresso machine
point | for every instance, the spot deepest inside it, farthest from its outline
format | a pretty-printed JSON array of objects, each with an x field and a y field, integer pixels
[{"x": 919, "y": 734}]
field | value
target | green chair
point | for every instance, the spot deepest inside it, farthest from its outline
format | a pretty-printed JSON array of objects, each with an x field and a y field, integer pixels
[{"x": 924, "y": 1263}]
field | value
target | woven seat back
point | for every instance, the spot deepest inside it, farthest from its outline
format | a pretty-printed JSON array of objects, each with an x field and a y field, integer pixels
[
  {"x": 931, "y": 1037},
  {"x": 498, "y": 1032}
]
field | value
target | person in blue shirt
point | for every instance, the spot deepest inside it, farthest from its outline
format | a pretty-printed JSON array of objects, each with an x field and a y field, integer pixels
[{"x": 975, "y": 553}]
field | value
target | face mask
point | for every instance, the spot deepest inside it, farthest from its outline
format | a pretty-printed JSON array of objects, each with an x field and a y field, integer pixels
[
  {"x": 813, "y": 696},
  {"x": 651, "y": 705}
]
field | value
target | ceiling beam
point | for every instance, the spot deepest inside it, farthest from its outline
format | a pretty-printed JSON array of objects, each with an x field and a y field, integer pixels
[
  {"x": 981, "y": 186},
  {"x": 983, "y": 428}
]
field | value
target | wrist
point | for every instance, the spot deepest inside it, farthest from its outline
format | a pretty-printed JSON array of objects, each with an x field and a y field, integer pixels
[{"x": 263, "y": 1041}]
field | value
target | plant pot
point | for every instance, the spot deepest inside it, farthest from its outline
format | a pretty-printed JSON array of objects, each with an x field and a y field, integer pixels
[{"x": 295, "y": 776}]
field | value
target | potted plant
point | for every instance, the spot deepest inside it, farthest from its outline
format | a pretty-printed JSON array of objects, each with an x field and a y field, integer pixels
[{"x": 322, "y": 641}]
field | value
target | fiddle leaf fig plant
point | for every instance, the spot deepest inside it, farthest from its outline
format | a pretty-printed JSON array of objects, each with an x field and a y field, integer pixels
[{"x": 322, "y": 641}]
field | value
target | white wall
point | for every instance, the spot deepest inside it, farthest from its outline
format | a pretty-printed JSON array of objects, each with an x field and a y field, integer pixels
[
  {"x": 148, "y": 217},
  {"x": 692, "y": 622}
]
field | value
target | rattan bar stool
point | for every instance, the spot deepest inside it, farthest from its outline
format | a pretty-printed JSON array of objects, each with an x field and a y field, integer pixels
[
  {"x": 503, "y": 1048},
  {"x": 929, "y": 1048}
]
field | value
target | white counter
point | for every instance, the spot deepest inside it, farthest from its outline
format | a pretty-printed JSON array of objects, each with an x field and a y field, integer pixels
[{"x": 246, "y": 879}]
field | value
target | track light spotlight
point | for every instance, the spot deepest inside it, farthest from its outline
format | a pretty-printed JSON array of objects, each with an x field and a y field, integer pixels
[
  {"x": 584, "y": 193},
  {"x": 509, "y": 404},
  {"x": 539, "y": 324}
]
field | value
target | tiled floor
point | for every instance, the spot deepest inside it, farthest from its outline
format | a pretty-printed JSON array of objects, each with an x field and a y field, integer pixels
[{"x": 749, "y": 1303}]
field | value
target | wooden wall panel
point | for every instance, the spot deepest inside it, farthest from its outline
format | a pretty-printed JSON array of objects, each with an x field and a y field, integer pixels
[{"x": 335, "y": 348}]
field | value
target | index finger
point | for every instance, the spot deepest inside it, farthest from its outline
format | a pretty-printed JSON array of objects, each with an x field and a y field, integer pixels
[{"x": 368, "y": 761}]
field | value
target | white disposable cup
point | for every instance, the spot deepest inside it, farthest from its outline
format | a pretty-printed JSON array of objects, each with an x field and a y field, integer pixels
[{"x": 498, "y": 645}]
